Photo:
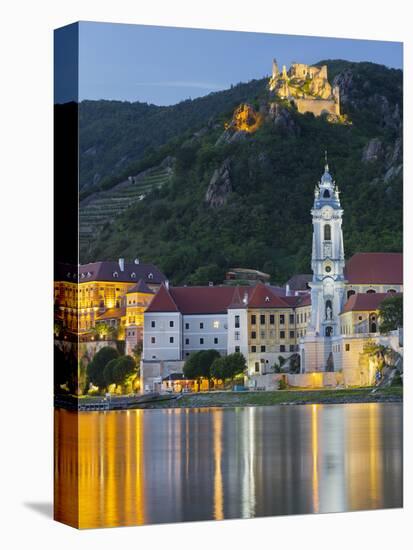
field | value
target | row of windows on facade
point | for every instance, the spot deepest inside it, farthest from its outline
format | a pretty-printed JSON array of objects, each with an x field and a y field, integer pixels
[
  {"x": 201, "y": 325},
  {"x": 282, "y": 348},
  {"x": 172, "y": 340},
  {"x": 264, "y": 319},
  {"x": 263, "y": 334}
]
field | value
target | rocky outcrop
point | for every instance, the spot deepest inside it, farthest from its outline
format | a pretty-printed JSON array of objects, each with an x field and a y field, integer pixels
[
  {"x": 373, "y": 151},
  {"x": 283, "y": 119},
  {"x": 220, "y": 185},
  {"x": 345, "y": 83},
  {"x": 245, "y": 120}
]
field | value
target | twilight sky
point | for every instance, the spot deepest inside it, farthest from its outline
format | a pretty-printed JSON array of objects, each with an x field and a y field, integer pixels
[{"x": 165, "y": 65}]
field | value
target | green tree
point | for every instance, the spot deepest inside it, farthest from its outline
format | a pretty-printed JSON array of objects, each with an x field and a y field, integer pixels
[
  {"x": 124, "y": 367},
  {"x": 108, "y": 372},
  {"x": 95, "y": 370},
  {"x": 234, "y": 365},
  {"x": 198, "y": 365},
  {"x": 217, "y": 368},
  {"x": 391, "y": 313}
]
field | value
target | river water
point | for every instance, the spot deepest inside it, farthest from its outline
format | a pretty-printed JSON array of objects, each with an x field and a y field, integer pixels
[{"x": 154, "y": 466}]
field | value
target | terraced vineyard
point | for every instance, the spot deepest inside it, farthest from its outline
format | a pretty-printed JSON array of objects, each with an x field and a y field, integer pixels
[{"x": 102, "y": 207}]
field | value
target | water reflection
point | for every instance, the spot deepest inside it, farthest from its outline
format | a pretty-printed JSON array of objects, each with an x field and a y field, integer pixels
[{"x": 139, "y": 467}]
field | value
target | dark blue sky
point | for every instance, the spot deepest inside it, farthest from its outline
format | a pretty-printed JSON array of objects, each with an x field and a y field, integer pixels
[{"x": 164, "y": 65}]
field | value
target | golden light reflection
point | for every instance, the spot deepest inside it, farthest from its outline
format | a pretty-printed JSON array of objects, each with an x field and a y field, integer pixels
[
  {"x": 314, "y": 447},
  {"x": 100, "y": 469},
  {"x": 218, "y": 488}
]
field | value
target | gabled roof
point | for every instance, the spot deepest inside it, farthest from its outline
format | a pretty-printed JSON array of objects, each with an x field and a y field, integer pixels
[
  {"x": 162, "y": 302},
  {"x": 140, "y": 287},
  {"x": 366, "y": 302},
  {"x": 236, "y": 302},
  {"x": 110, "y": 271},
  {"x": 263, "y": 296},
  {"x": 375, "y": 268}
]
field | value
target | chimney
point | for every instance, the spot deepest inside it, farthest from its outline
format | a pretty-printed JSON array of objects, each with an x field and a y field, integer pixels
[
  {"x": 122, "y": 264},
  {"x": 245, "y": 299}
]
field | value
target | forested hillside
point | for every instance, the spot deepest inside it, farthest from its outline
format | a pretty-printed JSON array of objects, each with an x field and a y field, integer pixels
[{"x": 239, "y": 198}]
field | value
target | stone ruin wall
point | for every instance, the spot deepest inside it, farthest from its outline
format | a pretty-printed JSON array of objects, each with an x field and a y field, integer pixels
[{"x": 317, "y": 106}]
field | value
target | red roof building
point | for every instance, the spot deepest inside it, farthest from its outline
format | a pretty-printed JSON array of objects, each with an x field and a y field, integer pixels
[
  {"x": 366, "y": 302},
  {"x": 375, "y": 268}
]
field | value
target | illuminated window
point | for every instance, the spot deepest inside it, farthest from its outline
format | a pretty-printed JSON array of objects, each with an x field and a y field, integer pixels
[{"x": 216, "y": 324}]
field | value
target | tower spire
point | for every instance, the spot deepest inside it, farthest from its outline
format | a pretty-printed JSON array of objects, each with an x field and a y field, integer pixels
[{"x": 326, "y": 161}]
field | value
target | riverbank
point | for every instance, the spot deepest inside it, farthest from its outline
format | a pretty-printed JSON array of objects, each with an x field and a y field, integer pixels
[{"x": 282, "y": 397}]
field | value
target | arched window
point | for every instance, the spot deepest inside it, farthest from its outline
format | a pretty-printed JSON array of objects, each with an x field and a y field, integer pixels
[
  {"x": 371, "y": 291},
  {"x": 350, "y": 293},
  {"x": 327, "y": 232},
  {"x": 326, "y": 194},
  {"x": 391, "y": 291},
  {"x": 329, "y": 331}
]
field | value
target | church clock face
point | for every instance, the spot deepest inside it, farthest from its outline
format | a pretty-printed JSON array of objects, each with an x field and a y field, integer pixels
[{"x": 327, "y": 213}]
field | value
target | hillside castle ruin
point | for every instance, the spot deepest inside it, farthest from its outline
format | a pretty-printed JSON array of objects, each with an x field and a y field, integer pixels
[{"x": 307, "y": 87}]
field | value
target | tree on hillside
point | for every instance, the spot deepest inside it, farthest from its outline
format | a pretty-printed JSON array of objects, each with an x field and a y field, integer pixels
[
  {"x": 391, "y": 313},
  {"x": 95, "y": 370}
]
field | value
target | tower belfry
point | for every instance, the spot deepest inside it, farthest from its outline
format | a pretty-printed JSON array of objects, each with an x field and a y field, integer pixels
[{"x": 327, "y": 264}]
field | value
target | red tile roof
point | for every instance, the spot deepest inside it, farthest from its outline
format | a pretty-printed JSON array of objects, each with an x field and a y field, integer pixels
[
  {"x": 375, "y": 268},
  {"x": 366, "y": 302},
  {"x": 263, "y": 296},
  {"x": 298, "y": 301},
  {"x": 205, "y": 299},
  {"x": 162, "y": 302}
]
